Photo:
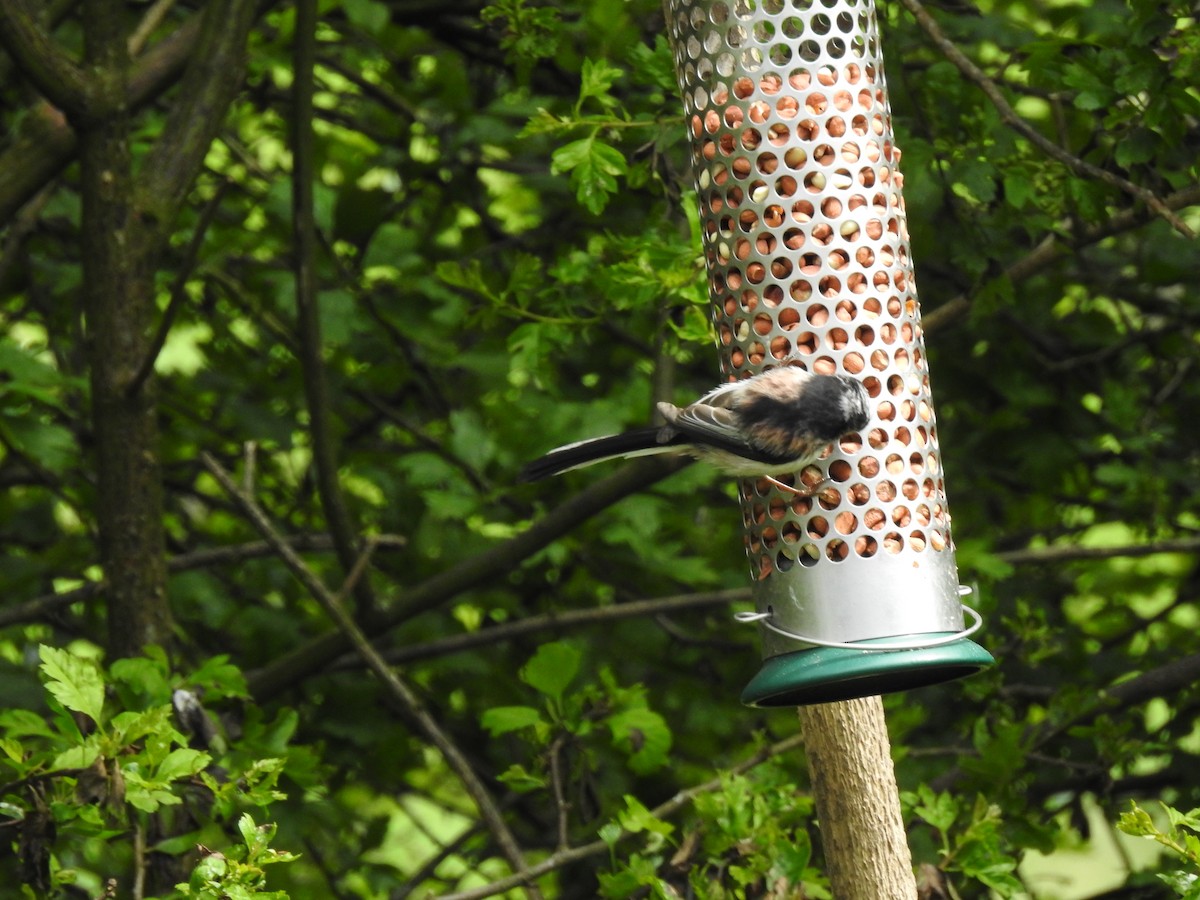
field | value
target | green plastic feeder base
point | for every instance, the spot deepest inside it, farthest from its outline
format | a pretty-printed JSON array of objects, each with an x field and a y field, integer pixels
[{"x": 825, "y": 674}]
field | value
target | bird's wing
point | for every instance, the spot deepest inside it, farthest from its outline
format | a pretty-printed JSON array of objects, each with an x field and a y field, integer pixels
[
  {"x": 722, "y": 395},
  {"x": 717, "y": 427},
  {"x": 780, "y": 380}
]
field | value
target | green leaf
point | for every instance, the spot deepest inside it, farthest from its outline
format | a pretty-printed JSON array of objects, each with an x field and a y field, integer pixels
[
  {"x": 1184, "y": 884},
  {"x": 939, "y": 810},
  {"x": 367, "y": 14},
  {"x": 502, "y": 719},
  {"x": 594, "y": 167},
  {"x": 552, "y": 668},
  {"x": 147, "y": 797},
  {"x": 218, "y": 675},
  {"x": 12, "y": 749},
  {"x": 1018, "y": 189},
  {"x": 520, "y": 780},
  {"x": 644, "y": 735},
  {"x": 148, "y": 676},
  {"x": 1137, "y": 822},
  {"x": 252, "y": 837},
  {"x": 78, "y": 757},
  {"x": 610, "y": 833},
  {"x": 1190, "y": 820},
  {"x": 531, "y": 32},
  {"x": 620, "y": 884},
  {"x": 569, "y": 156},
  {"x": 999, "y": 877},
  {"x": 1136, "y": 148},
  {"x": 468, "y": 276},
  {"x": 24, "y": 374},
  {"x": 25, "y": 723},
  {"x": 181, "y": 763},
  {"x": 74, "y": 682},
  {"x": 130, "y": 727},
  {"x": 636, "y": 818},
  {"x": 597, "y": 78}
]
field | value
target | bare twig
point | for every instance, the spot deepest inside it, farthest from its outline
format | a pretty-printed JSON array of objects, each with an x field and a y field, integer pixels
[
  {"x": 1052, "y": 248},
  {"x": 139, "y": 858},
  {"x": 397, "y": 689},
  {"x": 151, "y": 20},
  {"x": 21, "y": 227},
  {"x": 236, "y": 553},
  {"x": 178, "y": 289},
  {"x": 1009, "y": 117},
  {"x": 431, "y": 865},
  {"x": 467, "y": 573},
  {"x": 597, "y": 848},
  {"x": 562, "y": 808},
  {"x": 50, "y": 604},
  {"x": 249, "y": 465},
  {"x": 356, "y": 572},
  {"x": 308, "y": 319},
  {"x": 1165, "y": 680},
  {"x": 1065, "y": 553},
  {"x": 571, "y": 619}
]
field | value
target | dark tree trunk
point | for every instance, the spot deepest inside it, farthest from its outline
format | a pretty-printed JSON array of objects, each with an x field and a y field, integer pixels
[
  {"x": 118, "y": 275},
  {"x": 127, "y": 220}
]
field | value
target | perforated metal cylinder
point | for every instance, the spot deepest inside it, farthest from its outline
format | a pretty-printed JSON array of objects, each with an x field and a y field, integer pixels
[{"x": 808, "y": 261}]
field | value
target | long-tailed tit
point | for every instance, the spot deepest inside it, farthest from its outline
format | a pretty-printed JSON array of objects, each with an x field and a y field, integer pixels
[{"x": 776, "y": 422}]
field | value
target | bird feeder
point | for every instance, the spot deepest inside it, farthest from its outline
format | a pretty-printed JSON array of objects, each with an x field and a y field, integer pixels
[{"x": 806, "y": 243}]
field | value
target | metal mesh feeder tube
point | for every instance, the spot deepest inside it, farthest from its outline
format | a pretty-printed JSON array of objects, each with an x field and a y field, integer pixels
[{"x": 806, "y": 244}]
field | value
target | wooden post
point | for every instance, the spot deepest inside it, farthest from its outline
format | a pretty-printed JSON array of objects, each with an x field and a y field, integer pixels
[{"x": 858, "y": 803}]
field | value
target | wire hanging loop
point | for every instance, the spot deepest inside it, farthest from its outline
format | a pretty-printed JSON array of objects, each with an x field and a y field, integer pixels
[{"x": 764, "y": 619}]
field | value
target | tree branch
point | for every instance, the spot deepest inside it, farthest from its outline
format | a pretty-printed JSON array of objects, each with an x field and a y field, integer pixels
[
  {"x": 1009, "y": 117},
  {"x": 45, "y": 142},
  {"x": 1053, "y": 248},
  {"x": 40, "y": 59},
  {"x": 398, "y": 690},
  {"x": 562, "y": 808},
  {"x": 1164, "y": 680},
  {"x": 308, "y": 315},
  {"x": 152, "y": 19},
  {"x": 1066, "y": 552},
  {"x": 483, "y": 568},
  {"x": 574, "y": 618},
  {"x": 214, "y": 73},
  {"x": 597, "y": 848},
  {"x": 178, "y": 288},
  {"x": 47, "y": 605}
]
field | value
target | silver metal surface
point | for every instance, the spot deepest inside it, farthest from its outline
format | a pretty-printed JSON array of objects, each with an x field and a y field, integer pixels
[
  {"x": 808, "y": 259},
  {"x": 921, "y": 642}
]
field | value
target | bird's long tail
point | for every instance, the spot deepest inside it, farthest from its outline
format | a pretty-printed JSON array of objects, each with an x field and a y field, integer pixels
[{"x": 639, "y": 442}]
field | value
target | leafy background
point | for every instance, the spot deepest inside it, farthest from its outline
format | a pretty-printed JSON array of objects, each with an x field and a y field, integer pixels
[{"x": 507, "y": 259}]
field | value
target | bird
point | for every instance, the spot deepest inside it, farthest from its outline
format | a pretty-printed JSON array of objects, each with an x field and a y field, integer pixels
[{"x": 775, "y": 422}]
